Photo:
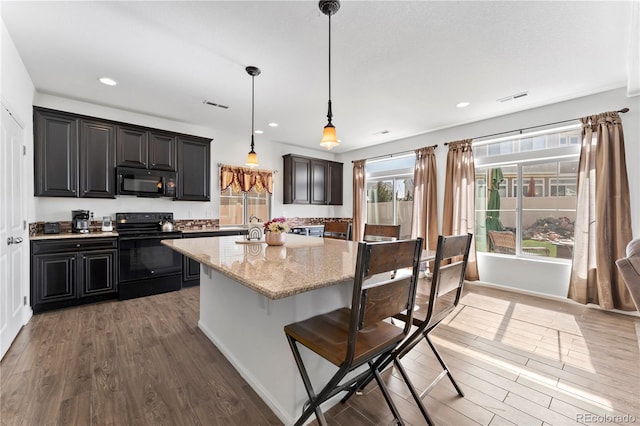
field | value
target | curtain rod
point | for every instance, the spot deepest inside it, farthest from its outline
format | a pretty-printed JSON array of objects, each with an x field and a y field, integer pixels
[
  {"x": 395, "y": 154},
  {"x": 623, "y": 110}
]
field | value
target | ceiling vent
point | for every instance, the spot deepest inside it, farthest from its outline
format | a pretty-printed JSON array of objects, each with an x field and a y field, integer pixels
[
  {"x": 512, "y": 97},
  {"x": 215, "y": 104}
]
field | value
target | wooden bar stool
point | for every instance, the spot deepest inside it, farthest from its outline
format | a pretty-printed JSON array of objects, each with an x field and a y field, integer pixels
[
  {"x": 381, "y": 232},
  {"x": 357, "y": 336},
  {"x": 435, "y": 300},
  {"x": 337, "y": 230}
]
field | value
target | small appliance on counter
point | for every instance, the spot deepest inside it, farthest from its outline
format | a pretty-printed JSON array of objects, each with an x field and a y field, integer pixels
[
  {"x": 80, "y": 221},
  {"x": 107, "y": 224},
  {"x": 52, "y": 227}
]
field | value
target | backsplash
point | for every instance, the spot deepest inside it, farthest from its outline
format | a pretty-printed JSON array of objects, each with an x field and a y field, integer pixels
[{"x": 37, "y": 228}]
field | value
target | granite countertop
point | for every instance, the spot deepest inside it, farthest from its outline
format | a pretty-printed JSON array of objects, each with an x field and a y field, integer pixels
[
  {"x": 67, "y": 235},
  {"x": 301, "y": 264}
]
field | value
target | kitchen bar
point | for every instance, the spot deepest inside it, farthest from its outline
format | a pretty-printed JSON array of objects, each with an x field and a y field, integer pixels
[{"x": 249, "y": 291}]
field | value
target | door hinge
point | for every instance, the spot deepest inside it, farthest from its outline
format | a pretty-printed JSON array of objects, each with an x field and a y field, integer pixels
[
  {"x": 24, "y": 150},
  {"x": 25, "y": 300},
  {"x": 24, "y": 225}
]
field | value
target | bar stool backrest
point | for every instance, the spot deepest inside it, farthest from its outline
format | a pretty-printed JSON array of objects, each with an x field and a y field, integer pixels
[
  {"x": 337, "y": 230},
  {"x": 381, "y": 232}
]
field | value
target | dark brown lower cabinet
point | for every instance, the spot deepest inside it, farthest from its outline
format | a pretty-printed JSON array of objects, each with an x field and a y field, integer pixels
[
  {"x": 190, "y": 267},
  {"x": 72, "y": 271}
]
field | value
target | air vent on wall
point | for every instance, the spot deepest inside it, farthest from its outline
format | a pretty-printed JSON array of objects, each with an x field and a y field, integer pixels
[
  {"x": 512, "y": 97},
  {"x": 215, "y": 104}
]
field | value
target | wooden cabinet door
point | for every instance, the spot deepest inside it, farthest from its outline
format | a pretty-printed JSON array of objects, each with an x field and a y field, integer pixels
[
  {"x": 53, "y": 278},
  {"x": 98, "y": 272},
  {"x": 318, "y": 182},
  {"x": 97, "y": 159},
  {"x": 334, "y": 183},
  {"x": 297, "y": 174},
  {"x": 190, "y": 272},
  {"x": 56, "y": 154},
  {"x": 132, "y": 147},
  {"x": 162, "y": 151},
  {"x": 194, "y": 170}
]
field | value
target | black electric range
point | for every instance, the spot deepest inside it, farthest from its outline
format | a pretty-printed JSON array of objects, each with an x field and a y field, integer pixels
[{"x": 146, "y": 266}]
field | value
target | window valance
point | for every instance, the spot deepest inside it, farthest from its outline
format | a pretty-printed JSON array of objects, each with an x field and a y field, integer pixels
[{"x": 242, "y": 179}]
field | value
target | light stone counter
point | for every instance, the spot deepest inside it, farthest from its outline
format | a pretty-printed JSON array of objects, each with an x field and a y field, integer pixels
[
  {"x": 70, "y": 235},
  {"x": 302, "y": 264}
]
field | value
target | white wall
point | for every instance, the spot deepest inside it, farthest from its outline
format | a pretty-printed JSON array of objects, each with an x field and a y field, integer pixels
[{"x": 529, "y": 275}]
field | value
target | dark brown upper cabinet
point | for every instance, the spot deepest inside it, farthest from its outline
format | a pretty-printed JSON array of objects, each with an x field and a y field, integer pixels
[
  {"x": 162, "y": 151},
  {"x": 97, "y": 159},
  {"x": 194, "y": 169},
  {"x": 132, "y": 147},
  {"x": 311, "y": 181},
  {"x": 334, "y": 183},
  {"x": 77, "y": 155},
  {"x": 73, "y": 157},
  {"x": 56, "y": 154},
  {"x": 146, "y": 149}
]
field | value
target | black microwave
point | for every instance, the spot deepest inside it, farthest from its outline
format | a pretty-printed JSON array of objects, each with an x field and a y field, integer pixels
[{"x": 146, "y": 183}]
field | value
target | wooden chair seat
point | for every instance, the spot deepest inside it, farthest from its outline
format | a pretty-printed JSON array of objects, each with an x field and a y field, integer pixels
[{"x": 327, "y": 335}]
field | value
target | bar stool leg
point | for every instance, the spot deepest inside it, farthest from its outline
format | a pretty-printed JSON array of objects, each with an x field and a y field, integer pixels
[
  {"x": 444, "y": 366},
  {"x": 306, "y": 412},
  {"x": 386, "y": 394},
  {"x": 414, "y": 392}
]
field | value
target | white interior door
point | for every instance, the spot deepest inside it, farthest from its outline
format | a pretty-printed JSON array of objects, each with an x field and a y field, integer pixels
[{"x": 13, "y": 240}]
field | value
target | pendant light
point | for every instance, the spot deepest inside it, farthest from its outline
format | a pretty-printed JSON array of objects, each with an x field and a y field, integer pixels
[
  {"x": 329, "y": 138},
  {"x": 252, "y": 158}
]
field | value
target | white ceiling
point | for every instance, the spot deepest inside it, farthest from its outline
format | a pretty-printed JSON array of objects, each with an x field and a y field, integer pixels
[{"x": 399, "y": 66}]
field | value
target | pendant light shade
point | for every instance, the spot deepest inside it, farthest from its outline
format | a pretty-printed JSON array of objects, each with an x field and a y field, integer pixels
[
  {"x": 252, "y": 157},
  {"x": 329, "y": 137}
]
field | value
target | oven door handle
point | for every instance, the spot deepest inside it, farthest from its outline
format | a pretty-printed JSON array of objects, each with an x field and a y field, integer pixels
[{"x": 151, "y": 237}]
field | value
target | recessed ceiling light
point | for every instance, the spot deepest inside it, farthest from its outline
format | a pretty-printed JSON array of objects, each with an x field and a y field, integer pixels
[
  {"x": 259, "y": 132},
  {"x": 108, "y": 81},
  {"x": 462, "y": 104},
  {"x": 273, "y": 124}
]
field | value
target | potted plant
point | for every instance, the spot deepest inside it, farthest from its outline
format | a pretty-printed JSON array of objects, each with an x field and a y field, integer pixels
[{"x": 275, "y": 231}]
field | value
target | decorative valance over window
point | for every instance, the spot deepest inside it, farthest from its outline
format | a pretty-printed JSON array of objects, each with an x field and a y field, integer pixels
[{"x": 243, "y": 179}]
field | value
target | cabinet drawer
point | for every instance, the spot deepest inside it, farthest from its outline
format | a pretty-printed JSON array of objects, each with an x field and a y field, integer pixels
[{"x": 73, "y": 245}]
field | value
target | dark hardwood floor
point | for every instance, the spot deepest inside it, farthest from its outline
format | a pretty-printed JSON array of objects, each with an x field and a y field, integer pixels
[{"x": 520, "y": 360}]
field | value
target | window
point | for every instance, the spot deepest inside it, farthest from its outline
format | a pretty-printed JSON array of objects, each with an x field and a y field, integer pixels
[
  {"x": 534, "y": 208},
  {"x": 236, "y": 207},
  {"x": 389, "y": 185},
  {"x": 244, "y": 193}
]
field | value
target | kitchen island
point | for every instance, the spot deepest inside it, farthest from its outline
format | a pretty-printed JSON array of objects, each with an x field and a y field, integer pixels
[{"x": 250, "y": 291}]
